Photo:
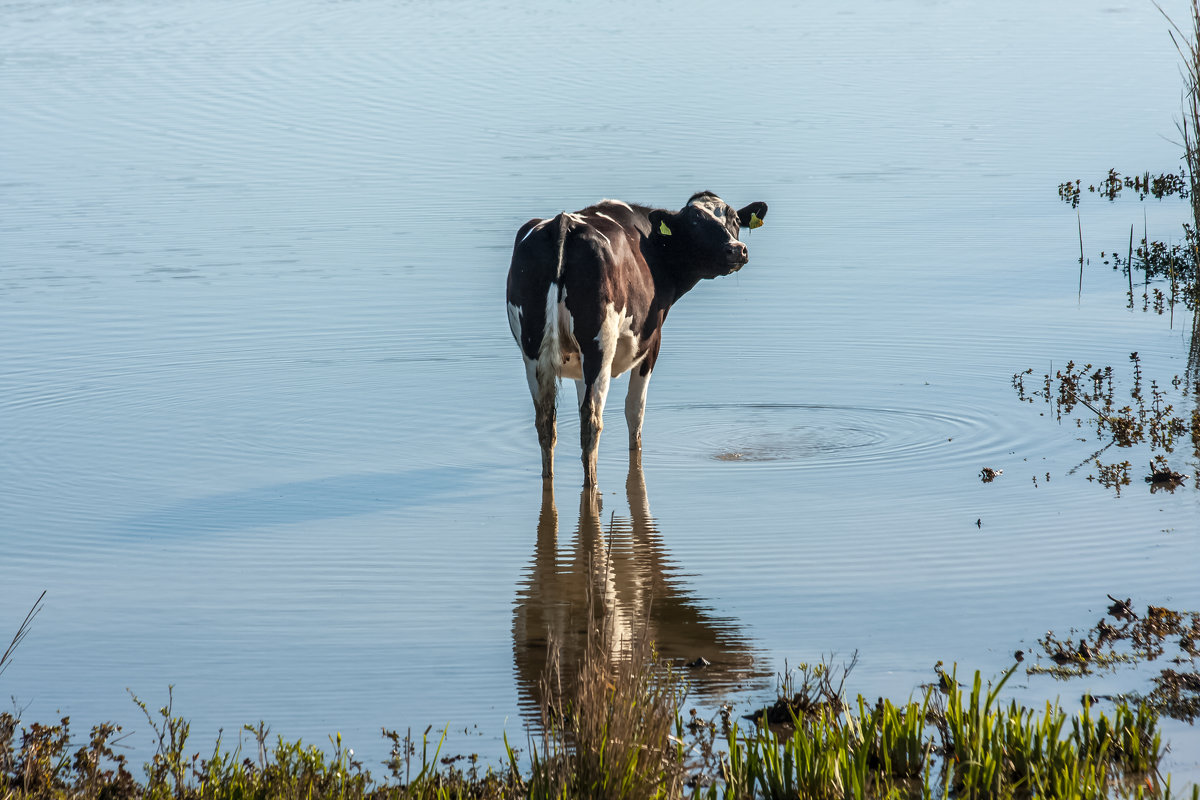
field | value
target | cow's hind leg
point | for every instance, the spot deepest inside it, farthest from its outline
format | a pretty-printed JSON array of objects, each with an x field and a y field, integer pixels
[
  {"x": 597, "y": 368},
  {"x": 543, "y": 388},
  {"x": 591, "y": 423}
]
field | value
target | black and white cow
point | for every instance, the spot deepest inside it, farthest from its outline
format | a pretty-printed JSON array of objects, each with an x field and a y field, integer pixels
[{"x": 588, "y": 293}]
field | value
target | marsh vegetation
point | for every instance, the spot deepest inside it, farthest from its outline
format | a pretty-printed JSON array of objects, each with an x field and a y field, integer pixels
[{"x": 619, "y": 731}]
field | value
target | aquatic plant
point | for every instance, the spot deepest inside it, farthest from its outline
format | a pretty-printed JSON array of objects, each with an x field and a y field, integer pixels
[
  {"x": 1166, "y": 184},
  {"x": 1087, "y": 396},
  {"x": 806, "y": 690},
  {"x": 1154, "y": 259},
  {"x": 1133, "y": 638}
]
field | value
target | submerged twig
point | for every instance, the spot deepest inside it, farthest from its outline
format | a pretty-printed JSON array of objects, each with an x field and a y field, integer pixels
[
  {"x": 1079, "y": 222},
  {"x": 1129, "y": 264},
  {"x": 1146, "y": 261},
  {"x": 1091, "y": 458},
  {"x": 22, "y": 632},
  {"x": 1093, "y": 409}
]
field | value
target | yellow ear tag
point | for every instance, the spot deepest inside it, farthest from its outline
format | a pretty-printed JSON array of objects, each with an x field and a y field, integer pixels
[
  {"x": 755, "y": 222},
  {"x": 665, "y": 231}
]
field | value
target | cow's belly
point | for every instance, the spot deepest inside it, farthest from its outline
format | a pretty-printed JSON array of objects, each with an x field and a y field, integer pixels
[
  {"x": 571, "y": 367},
  {"x": 616, "y": 336},
  {"x": 626, "y": 357}
]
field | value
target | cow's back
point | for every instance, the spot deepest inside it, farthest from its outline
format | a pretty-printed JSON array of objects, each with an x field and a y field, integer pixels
[
  {"x": 582, "y": 264},
  {"x": 531, "y": 276}
]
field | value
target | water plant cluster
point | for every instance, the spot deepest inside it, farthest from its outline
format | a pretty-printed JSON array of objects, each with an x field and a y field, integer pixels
[
  {"x": 1152, "y": 420},
  {"x": 1176, "y": 261},
  {"x": 1132, "y": 638},
  {"x": 1087, "y": 395},
  {"x": 1159, "y": 261},
  {"x": 1148, "y": 261},
  {"x": 1166, "y": 184}
]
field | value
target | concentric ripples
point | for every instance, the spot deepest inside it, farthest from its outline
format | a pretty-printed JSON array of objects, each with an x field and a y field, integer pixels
[{"x": 775, "y": 436}]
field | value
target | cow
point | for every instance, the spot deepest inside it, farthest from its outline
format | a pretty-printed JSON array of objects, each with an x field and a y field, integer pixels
[{"x": 588, "y": 293}]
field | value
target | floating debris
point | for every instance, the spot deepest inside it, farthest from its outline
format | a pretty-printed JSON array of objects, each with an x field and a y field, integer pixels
[
  {"x": 1106, "y": 633},
  {"x": 1163, "y": 477},
  {"x": 1063, "y": 657},
  {"x": 945, "y": 682},
  {"x": 699, "y": 663},
  {"x": 1121, "y": 609}
]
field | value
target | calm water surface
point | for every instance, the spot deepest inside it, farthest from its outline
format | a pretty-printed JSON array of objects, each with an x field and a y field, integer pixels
[{"x": 265, "y": 435}]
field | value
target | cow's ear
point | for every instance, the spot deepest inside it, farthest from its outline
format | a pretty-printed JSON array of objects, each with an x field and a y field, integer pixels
[
  {"x": 752, "y": 215},
  {"x": 661, "y": 223}
]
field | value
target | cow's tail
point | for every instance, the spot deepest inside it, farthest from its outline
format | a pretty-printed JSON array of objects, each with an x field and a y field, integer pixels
[{"x": 550, "y": 351}]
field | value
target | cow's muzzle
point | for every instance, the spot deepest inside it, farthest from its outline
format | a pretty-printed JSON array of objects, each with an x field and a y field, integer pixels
[{"x": 736, "y": 256}]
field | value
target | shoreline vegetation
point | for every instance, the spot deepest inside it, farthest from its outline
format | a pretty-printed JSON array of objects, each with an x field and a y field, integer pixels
[
  {"x": 616, "y": 729},
  {"x": 620, "y": 733}
]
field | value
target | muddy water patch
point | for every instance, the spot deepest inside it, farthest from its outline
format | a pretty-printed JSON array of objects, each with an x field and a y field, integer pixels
[{"x": 813, "y": 436}]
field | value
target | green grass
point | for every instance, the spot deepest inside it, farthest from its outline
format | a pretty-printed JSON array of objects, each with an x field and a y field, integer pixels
[{"x": 962, "y": 743}]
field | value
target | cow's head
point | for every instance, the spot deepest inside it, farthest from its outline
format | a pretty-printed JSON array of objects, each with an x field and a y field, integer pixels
[{"x": 704, "y": 233}]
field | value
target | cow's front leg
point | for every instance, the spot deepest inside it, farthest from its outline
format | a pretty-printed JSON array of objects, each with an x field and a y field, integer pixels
[{"x": 635, "y": 405}]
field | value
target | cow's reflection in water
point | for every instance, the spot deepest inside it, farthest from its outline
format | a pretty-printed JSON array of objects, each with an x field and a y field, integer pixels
[{"x": 625, "y": 567}]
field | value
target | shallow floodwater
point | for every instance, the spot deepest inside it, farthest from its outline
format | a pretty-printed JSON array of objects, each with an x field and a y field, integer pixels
[{"x": 266, "y": 438}]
